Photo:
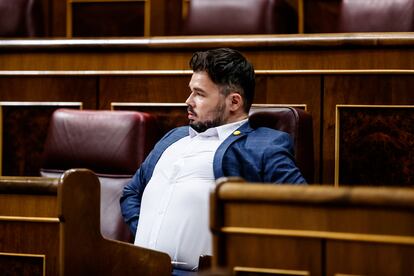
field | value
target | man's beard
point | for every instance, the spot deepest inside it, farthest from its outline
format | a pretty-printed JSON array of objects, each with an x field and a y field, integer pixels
[{"x": 216, "y": 121}]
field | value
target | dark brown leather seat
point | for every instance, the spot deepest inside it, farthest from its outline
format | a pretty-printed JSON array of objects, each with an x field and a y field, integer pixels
[
  {"x": 331, "y": 16},
  {"x": 21, "y": 18},
  {"x": 111, "y": 143},
  {"x": 219, "y": 17},
  {"x": 296, "y": 122}
]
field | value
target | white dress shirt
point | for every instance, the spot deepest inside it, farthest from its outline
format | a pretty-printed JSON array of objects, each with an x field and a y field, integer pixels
[{"x": 174, "y": 215}]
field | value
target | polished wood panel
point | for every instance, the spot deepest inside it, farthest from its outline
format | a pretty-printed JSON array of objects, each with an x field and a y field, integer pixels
[
  {"x": 366, "y": 89},
  {"x": 321, "y": 16},
  {"x": 40, "y": 205},
  {"x": 49, "y": 88},
  {"x": 29, "y": 224},
  {"x": 153, "y": 88},
  {"x": 297, "y": 254},
  {"x": 27, "y": 102},
  {"x": 40, "y": 238},
  {"x": 353, "y": 258},
  {"x": 287, "y": 52},
  {"x": 24, "y": 128},
  {"x": 57, "y": 18},
  {"x": 374, "y": 145},
  {"x": 22, "y": 264},
  {"x": 173, "y": 15},
  {"x": 107, "y": 18}
]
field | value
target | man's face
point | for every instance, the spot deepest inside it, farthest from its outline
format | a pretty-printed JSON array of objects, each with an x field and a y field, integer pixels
[{"x": 206, "y": 105}]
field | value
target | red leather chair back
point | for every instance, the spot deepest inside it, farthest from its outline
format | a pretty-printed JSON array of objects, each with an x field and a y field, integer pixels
[
  {"x": 377, "y": 16},
  {"x": 219, "y": 17},
  {"x": 332, "y": 16},
  {"x": 296, "y": 122},
  {"x": 111, "y": 143},
  {"x": 21, "y": 18}
]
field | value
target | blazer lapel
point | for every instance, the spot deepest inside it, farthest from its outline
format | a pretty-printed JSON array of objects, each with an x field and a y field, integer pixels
[{"x": 242, "y": 131}]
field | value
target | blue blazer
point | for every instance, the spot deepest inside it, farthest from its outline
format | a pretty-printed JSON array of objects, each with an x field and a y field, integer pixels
[{"x": 257, "y": 155}]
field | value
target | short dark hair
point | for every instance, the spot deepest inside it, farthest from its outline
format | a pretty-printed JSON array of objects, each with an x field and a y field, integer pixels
[{"x": 229, "y": 69}]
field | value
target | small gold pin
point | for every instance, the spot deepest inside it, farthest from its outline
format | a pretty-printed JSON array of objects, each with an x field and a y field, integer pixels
[{"x": 237, "y": 132}]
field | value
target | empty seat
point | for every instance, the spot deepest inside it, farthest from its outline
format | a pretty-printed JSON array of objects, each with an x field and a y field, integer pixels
[
  {"x": 332, "y": 16},
  {"x": 111, "y": 143},
  {"x": 219, "y": 17},
  {"x": 21, "y": 18},
  {"x": 376, "y": 16}
]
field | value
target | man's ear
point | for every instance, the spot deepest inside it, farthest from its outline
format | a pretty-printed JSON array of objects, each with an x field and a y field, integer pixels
[{"x": 236, "y": 101}]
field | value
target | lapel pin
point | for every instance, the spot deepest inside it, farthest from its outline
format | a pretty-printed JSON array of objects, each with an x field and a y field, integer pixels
[{"x": 237, "y": 132}]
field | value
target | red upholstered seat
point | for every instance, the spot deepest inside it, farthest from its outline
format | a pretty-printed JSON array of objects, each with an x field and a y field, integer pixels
[
  {"x": 296, "y": 122},
  {"x": 377, "y": 16},
  {"x": 111, "y": 143},
  {"x": 218, "y": 17},
  {"x": 331, "y": 16},
  {"x": 21, "y": 18}
]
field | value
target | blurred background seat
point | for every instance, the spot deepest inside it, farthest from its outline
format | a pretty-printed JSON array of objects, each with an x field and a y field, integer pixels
[
  {"x": 220, "y": 17},
  {"x": 21, "y": 18},
  {"x": 339, "y": 16},
  {"x": 111, "y": 143}
]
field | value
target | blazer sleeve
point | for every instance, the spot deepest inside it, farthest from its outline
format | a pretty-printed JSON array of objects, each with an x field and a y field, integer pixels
[
  {"x": 131, "y": 199},
  {"x": 279, "y": 162}
]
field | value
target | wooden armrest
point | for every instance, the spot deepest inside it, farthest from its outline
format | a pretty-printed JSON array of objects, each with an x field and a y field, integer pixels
[{"x": 84, "y": 251}]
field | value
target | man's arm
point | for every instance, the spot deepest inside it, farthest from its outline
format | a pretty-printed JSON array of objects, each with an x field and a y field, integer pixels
[
  {"x": 279, "y": 162},
  {"x": 131, "y": 200}
]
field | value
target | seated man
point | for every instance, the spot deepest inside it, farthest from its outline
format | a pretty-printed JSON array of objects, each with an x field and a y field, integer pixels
[{"x": 166, "y": 204}]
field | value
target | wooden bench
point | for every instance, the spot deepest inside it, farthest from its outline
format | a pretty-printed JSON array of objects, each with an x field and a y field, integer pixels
[
  {"x": 52, "y": 227},
  {"x": 312, "y": 230}
]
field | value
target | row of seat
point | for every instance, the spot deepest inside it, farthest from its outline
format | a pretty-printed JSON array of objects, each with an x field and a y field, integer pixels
[
  {"x": 25, "y": 18},
  {"x": 208, "y": 17}
]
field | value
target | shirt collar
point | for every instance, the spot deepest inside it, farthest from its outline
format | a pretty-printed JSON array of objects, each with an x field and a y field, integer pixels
[{"x": 222, "y": 132}]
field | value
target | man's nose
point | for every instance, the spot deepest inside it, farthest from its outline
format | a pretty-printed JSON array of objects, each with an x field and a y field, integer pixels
[{"x": 189, "y": 100}]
